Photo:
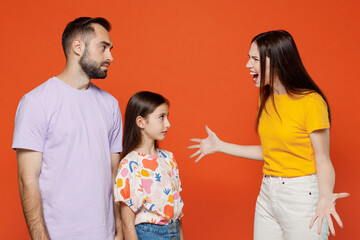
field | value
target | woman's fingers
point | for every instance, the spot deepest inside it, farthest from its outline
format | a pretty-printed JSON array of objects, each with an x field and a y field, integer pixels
[
  {"x": 341, "y": 195},
  {"x": 208, "y": 130},
  {"x": 337, "y": 219},
  {"x": 195, "y": 140},
  {"x": 195, "y": 154},
  {"x": 331, "y": 225},
  {"x": 200, "y": 157},
  {"x": 320, "y": 220},
  {"x": 193, "y": 146},
  {"x": 312, "y": 221}
]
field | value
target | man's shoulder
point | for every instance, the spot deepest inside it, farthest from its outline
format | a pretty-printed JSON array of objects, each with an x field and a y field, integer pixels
[
  {"x": 104, "y": 94},
  {"x": 42, "y": 89}
]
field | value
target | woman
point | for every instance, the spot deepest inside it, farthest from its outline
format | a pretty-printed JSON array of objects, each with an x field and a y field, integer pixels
[{"x": 293, "y": 122}]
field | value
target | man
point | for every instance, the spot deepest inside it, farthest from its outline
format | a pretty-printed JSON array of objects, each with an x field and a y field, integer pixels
[{"x": 68, "y": 138}]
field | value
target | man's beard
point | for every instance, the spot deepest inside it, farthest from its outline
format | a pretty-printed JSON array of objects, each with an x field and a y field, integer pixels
[{"x": 92, "y": 68}]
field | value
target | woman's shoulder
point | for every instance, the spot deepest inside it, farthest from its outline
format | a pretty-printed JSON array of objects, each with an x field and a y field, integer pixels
[
  {"x": 314, "y": 98},
  {"x": 308, "y": 97}
]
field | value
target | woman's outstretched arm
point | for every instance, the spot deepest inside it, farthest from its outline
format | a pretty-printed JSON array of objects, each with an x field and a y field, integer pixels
[
  {"x": 213, "y": 144},
  {"x": 326, "y": 181}
]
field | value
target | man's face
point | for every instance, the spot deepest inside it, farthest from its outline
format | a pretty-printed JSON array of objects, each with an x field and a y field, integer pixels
[{"x": 96, "y": 58}]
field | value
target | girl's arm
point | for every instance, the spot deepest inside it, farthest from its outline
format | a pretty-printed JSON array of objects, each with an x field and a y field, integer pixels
[
  {"x": 326, "y": 181},
  {"x": 181, "y": 231},
  {"x": 115, "y": 160},
  {"x": 128, "y": 221},
  {"x": 213, "y": 144}
]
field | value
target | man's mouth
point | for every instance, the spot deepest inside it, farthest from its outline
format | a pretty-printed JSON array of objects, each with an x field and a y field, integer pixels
[{"x": 105, "y": 65}]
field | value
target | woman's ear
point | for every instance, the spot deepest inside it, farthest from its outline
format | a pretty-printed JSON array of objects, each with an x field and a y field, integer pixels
[{"x": 140, "y": 122}]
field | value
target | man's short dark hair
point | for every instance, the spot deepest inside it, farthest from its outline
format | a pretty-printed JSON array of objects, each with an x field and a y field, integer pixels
[{"x": 81, "y": 26}]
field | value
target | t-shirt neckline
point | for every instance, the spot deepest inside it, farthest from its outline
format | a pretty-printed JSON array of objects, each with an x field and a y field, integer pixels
[
  {"x": 67, "y": 86},
  {"x": 149, "y": 155}
]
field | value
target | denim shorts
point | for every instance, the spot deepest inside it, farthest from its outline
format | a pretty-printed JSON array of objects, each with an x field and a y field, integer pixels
[{"x": 149, "y": 231}]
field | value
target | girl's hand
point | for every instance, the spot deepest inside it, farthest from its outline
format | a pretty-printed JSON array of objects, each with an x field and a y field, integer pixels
[
  {"x": 325, "y": 208},
  {"x": 118, "y": 237},
  {"x": 209, "y": 145}
]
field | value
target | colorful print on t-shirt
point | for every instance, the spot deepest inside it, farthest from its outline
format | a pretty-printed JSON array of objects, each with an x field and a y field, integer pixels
[{"x": 150, "y": 186}]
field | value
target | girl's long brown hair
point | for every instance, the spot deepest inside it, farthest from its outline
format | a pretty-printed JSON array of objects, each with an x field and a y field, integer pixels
[
  {"x": 140, "y": 104},
  {"x": 286, "y": 64}
]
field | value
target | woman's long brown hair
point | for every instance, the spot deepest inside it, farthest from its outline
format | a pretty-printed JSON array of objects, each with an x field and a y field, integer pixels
[{"x": 286, "y": 64}]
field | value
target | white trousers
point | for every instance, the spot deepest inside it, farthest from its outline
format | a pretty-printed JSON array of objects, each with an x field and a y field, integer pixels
[{"x": 285, "y": 207}]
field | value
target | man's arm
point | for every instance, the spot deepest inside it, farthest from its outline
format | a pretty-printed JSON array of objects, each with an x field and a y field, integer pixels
[
  {"x": 115, "y": 160},
  {"x": 29, "y": 165}
]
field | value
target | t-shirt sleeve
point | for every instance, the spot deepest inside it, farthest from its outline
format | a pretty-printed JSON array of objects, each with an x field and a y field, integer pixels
[
  {"x": 128, "y": 188},
  {"x": 116, "y": 133},
  {"x": 317, "y": 116},
  {"x": 177, "y": 174},
  {"x": 30, "y": 125}
]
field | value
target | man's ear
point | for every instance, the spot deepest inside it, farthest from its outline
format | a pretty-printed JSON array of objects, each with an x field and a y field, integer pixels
[
  {"x": 140, "y": 122},
  {"x": 78, "y": 46}
]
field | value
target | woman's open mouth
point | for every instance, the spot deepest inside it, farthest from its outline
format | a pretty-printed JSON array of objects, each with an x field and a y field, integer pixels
[{"x": 255, "y": 76}]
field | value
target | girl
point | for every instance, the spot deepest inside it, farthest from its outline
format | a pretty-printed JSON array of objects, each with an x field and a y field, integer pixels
[
  {"x": 147, "y": 185},
  {"x": 293, "y": 122}
]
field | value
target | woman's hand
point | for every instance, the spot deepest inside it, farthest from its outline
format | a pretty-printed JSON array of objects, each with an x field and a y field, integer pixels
[
  {"x": 209, "y": 145},
  {"x": 325, "y": 208}
]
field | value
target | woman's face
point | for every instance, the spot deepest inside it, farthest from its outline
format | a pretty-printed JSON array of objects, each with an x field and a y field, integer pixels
[{"x": 254, "y": 65}]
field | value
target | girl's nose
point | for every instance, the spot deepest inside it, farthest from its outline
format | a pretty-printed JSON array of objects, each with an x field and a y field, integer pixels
[{"x": 167, "y": 123}]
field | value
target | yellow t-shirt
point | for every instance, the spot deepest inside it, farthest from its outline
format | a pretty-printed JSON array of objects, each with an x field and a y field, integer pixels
[{"x": 285, "y": 141}]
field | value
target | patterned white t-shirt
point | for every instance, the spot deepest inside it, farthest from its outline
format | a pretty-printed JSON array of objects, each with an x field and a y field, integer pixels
[{"x": 150, "y": 186}]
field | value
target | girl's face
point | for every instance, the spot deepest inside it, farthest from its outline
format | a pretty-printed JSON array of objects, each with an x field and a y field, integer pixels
[
  {"x": 254, "y": 65},
  {"x": 156, "y": 124}
]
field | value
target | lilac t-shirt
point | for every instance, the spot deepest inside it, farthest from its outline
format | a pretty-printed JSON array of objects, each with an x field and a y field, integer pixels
[{"x": 76, "y": 130}]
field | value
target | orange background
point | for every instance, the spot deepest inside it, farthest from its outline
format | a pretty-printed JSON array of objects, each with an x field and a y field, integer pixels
[{"x": 194, "y": 52}]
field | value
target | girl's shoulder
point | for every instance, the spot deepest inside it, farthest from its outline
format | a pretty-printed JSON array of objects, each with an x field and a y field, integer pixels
[
  {"x": 169, "y": 157},
  {"x": 165, "y": 154},
  {"x": 130, "y": 158},
  {"x": 133, "y": 155}
]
